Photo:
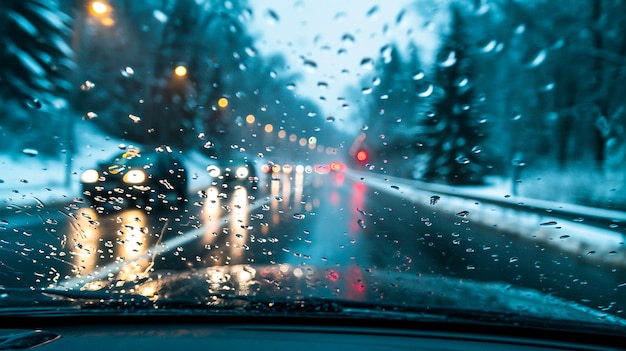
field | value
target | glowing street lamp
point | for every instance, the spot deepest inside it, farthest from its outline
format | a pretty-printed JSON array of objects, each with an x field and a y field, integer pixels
[
  {"x": 99, "y": 8},
  {"x": 222, "y": 102},
  {"x": 180, "y": 71}
]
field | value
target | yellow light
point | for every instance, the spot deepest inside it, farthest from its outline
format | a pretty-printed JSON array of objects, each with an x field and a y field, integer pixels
[
  {"x": 108, "y": 22},
  {"x": 250, "y": 119},
  {"x": 89, "y": 176},
  {"x": 99, "y": 7},
  {"x": 269, "y": 128},
  {"x": 312, "y": 140},
  {"x": 134, "y": 176},
  {"x": 282, "y": 134},
  {"x": 180, "y": 71},
  {"x": 222, "y": 102}
]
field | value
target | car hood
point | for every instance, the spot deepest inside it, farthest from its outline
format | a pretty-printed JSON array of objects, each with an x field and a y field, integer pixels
[{"x": 376, "y": 290}]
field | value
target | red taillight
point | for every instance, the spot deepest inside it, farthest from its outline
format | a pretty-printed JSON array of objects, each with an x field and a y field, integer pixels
[{"x": 361, "y": 155}]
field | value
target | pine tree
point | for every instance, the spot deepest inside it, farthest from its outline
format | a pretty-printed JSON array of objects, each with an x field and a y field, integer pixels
[
  {"x": 452, "y": 131},
  {"x": 35, "y": 51}
]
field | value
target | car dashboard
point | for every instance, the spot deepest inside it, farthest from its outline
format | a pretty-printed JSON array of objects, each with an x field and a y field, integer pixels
[{"x": 134, "y": 333}]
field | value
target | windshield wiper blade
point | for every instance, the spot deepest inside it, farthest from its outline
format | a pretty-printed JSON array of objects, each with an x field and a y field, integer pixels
[{"x": 25, "y": 339}]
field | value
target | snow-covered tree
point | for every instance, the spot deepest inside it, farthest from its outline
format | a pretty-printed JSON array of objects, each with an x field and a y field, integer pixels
[{"x": 452, "y": 133}]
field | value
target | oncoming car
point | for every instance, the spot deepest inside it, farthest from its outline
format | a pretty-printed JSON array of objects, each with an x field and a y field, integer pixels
[
  {"x": 136, "y": 176},
  {"x": 233, "y": 173}
]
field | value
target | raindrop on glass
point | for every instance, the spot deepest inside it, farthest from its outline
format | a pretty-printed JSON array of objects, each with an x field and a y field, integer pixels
[
  {"x": 33, "y": 103},
  {"x": 127, "y": 71},
  {"x": 87, "y": 85},
  {"x": 449, "y": 60},
  {"x": 30, "y": 152},
  {"x": 462, "y": 160},
  {"x": 367, "y": 63}
]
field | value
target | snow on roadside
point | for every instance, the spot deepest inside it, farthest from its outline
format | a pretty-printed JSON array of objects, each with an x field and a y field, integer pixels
[{"x": 590, "y": 242}]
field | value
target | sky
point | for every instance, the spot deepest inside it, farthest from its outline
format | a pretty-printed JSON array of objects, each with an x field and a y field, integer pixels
[{"x": 327, "y": 41}]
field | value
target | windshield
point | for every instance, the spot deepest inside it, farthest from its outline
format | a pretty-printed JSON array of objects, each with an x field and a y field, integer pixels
[{"x": 458, "y": 157}]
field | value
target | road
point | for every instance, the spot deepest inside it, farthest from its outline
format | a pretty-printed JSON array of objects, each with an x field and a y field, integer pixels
[{"x": 309, "y": 219}]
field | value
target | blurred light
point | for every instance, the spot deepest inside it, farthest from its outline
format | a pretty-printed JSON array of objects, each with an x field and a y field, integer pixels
[
  {"x": 250, "y": 119},
  {"x": 302, "y": 142},
  {"x": 287, "y": 169},
  {"x": 308, "y": 169},
  {"x": 276, "y": 168},
  {"x": 241, "y": 172},
  {"x": 293, "y": 138},
  {"x": 361, "y": 155},
  {"x": 99, "y": 7},
  {"x": 108, "y": 22},
  {"x": 134, "y": 176},
  {"x": 335, "y": 166},
  {"x": 222, "y": 102},
  {"x": 180, "y": 71},
  {"x": 320, "y": 148},
  {"x": 89, "y": 176},
  {"x": 282, "y": 134},
  {"x": 312, "y": 140},
  {"x": 269, "y": 128},
  {"x": 266, "y": 168},
  {"x": 300, "y": 169}
]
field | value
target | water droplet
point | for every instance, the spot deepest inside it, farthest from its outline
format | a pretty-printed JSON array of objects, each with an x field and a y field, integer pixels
[
  {"x": 87, "y": 85},
  {"x": 548, "y": 223},
  {"x": 366, "y": 91},
  {"x": 361, "y": 223},
  {"x": 418, "y": 75},
  {"x": 33, "y": 103},
  {"x": 310, "y": 65},
  {"x": 127, "y": 71},
  {"x": 434, "y": 199},
  {"x": 477, "y": 149},
  {"x": 539, "y": 58},
  {"x": 330, "y": 119},
  {"x": 372, "y": 11},
  {"x": 462, "y": 160},
  {"x": 30, "y": 152},
  {"x": 564, "y": 236},
  {"x": 513, "y": 259},
  {"x": 461, "y": 82},
  {"x": 298, "y": 216},
  {"x": 449, "y": 60},
  {"x": 347, "y": 37},
  {"x": 367, "y": 63},
  {"x": 90, "y": 115},
  {"x": 489, "y": 46},
  {"x": 135, "y": 119},
  {"x": 272, "y": 16},
  {"x": 463, "y": 214},
  {"x": 427, "y": 91}
]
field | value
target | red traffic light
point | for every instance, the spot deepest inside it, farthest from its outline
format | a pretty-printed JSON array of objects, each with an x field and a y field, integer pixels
[{"x": 361, "y": 155}]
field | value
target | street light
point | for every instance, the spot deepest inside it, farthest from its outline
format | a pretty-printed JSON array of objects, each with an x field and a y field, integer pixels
[
  {"x": 99, "y": 8},
  {"x": 180, "y": 71}
]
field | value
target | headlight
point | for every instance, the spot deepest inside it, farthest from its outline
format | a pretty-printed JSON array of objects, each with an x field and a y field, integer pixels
[
  {"x": 213, "y": 171},
  {"x": 89, "y": 176},
  {"x": 134, "y": 176},
  {"x": 287, "y": 169},
  {"x": 242, "y": 172}
]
